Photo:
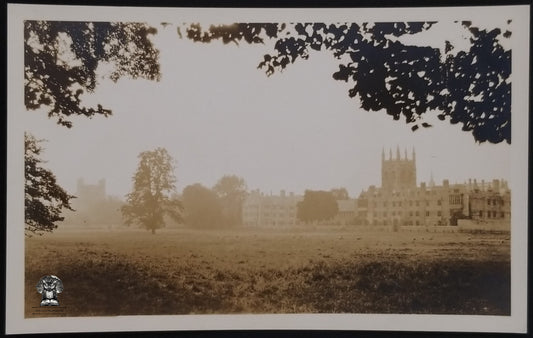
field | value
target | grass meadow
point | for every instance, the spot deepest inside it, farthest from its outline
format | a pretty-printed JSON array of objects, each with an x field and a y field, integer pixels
[{"x": 183, "y": 271}]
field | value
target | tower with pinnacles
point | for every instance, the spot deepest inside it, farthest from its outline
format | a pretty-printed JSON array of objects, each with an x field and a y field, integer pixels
[
  {"x": 400, "y": 202},
  {"x": 398, "y": 173}
]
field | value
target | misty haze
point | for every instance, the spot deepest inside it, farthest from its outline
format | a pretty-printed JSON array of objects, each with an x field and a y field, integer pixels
[{"x": 268, "y": 167}]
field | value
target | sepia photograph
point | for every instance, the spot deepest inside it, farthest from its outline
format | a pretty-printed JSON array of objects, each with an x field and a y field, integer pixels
[{"x": 336, "y": 169}]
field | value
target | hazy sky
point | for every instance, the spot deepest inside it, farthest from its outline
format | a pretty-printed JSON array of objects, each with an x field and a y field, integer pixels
[{"x": 217, "y": 114}]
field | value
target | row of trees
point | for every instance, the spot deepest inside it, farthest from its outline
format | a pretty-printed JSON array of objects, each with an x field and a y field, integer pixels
[
  {"x": 153, "y": 199},
  {"x": 218, "y": 207},
  {"x": 154, "y": 196}
]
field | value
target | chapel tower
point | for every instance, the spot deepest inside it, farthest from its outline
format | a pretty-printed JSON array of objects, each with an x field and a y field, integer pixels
[{"x": 398, "y": 173}]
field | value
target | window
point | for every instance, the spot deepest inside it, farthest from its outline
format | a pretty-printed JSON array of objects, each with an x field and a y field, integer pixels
[
  {"x": 427, "y": 213},
  {"x": 480, "y": 213},
  {"x": 439, "y": 213},
  {"x": 416, "y": 213},
  {"x": 439, "y": 202}
]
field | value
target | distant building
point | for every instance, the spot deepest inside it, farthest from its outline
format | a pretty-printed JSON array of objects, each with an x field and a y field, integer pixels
[
  {"x": 89, "y": 195},
  {"x": 398, "y": 174},
  {"x": 260, "y": 209},
  {"x": 93, "y": 207},
  {"x": 281, "y": 210},
  {"x": 399, "y": 201}
]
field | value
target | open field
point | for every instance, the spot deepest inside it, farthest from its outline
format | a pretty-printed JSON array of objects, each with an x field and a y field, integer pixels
[{"x": 182, "y": 271}]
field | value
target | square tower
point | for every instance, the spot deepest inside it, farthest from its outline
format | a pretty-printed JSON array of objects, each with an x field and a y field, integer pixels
[{"x": 398, "y": 173}]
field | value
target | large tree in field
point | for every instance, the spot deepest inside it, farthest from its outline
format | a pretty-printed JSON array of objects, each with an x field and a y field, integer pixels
[
  {"x": 471, "y": 87},
  {"x": 153, "y": 187},
  {"x": 202, "y": 207},
  {"x": 231, "y": 190},
  {"x": 61, "y": 59},
  {"x": 316, "y": 206},
  {"x": 44, "y": 198}
]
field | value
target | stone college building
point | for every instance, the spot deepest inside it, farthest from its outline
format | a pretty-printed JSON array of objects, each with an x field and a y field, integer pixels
[{"x": 400, "y": 202}]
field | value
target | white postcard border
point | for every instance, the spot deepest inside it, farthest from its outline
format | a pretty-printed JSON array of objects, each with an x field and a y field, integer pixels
[{"x": 15, "y": 321}]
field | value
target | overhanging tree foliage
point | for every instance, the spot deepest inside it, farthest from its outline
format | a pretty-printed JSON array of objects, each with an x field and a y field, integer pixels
[
  {"x": 61, "y": 60},
  {"x": 44, "y": 199},
  {"x": 153, "y": 187},
  {"x": 470, "y": 87}
]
